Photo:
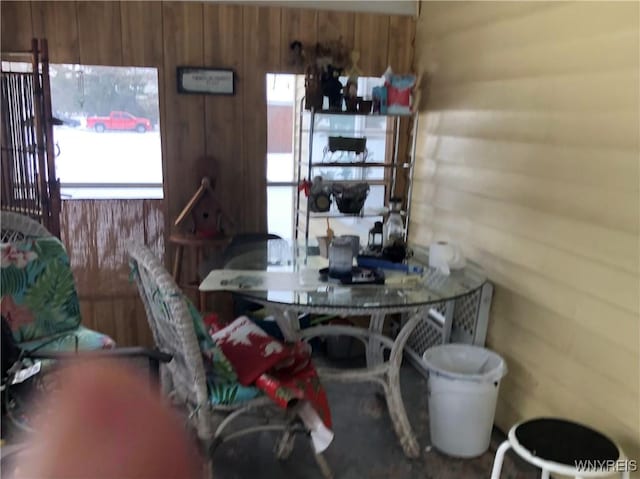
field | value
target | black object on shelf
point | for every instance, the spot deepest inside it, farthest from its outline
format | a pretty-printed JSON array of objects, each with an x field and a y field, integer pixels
[
  {"x": 350, "y": 198},
  {"x": 344, "y": 143},
  {"x": 396, "y": 253},
  {"x": 357, "y": 275}
]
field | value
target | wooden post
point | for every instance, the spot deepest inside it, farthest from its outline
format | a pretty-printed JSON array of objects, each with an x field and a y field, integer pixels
[{"x": 54, "y": 203}]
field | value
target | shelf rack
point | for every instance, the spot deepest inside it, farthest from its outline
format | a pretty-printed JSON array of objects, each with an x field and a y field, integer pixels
[{"x": 305, "y": 166}]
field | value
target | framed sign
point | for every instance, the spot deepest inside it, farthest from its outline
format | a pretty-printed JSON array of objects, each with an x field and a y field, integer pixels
[{"x": 212, "y": 81}]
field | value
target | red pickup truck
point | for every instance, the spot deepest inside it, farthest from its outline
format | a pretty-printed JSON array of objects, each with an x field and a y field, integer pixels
[{"x": 119, "y": 120}]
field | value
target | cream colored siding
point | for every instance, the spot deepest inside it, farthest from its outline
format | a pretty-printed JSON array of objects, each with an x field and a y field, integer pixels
[{"x": 528, "y": 156}]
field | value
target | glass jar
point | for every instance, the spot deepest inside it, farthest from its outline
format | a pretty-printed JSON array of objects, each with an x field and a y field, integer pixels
[
  {"x": 393, "y": 231},
  {"x": 340, "y": 257}
]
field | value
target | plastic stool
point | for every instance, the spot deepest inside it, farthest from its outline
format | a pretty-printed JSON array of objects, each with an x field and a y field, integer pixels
[{"x": 557, "y": 446}]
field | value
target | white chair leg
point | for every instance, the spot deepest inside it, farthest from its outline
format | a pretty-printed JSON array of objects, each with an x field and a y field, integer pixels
[
  {"x": 545, "y": 474},
  {"x": 497, "y": 462}
]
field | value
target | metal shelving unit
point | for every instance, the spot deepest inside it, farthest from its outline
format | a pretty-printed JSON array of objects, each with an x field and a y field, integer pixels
[{"x": 307, "y": 166}]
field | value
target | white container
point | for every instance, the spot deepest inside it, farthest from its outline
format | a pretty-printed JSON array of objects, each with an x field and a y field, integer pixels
[
  {"x": 463, "y": 387},
  {"x": 340, "y": 257},
  {"x": 445, "y": 257}
]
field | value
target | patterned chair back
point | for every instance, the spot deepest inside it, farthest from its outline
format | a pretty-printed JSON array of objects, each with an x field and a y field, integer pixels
[{"x": 39, "y": 297}]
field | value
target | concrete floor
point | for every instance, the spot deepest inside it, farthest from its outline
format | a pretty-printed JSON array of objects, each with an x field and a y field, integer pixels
[{"x": 365, "y": 445}]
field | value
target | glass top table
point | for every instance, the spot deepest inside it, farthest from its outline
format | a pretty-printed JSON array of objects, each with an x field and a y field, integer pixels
[
  {"x": 277, "y": 272},
  {"x": 286, "y": 280}
]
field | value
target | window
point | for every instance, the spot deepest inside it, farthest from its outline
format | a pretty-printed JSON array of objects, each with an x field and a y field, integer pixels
[
  {"x": 281, "y": 184},
  {"x": 108, "y": 145}
]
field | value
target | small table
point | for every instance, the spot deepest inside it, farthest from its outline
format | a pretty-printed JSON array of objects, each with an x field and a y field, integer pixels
[
  {"x": 286, "y": 281},
  {"x": 197, "y": 245}
]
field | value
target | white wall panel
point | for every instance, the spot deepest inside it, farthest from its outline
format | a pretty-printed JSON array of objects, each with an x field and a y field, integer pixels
[{"x": 528, "y": 156}]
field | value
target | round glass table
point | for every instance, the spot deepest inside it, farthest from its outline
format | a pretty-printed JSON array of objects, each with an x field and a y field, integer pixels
[{"x": 286, "y": 280}]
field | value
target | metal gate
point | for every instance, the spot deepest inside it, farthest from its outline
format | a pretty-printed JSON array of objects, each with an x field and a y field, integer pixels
[{"x": 28, "y": 180}]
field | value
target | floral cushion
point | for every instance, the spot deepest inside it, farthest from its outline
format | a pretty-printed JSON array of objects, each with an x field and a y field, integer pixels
[{"x": 39, "y": 297}]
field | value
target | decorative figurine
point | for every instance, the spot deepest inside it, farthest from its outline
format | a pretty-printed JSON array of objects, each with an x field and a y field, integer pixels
[
  {"x": 296, "y": 58},
  {"x": 353, "y": 73},
  {"x": 332, "y": 88}
]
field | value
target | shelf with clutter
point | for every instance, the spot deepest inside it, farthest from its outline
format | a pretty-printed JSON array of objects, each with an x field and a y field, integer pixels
[
  {"x": 354, "y": 154},
  {"x": 347, "y": 176},
  {"x": 332, "y": 72}
]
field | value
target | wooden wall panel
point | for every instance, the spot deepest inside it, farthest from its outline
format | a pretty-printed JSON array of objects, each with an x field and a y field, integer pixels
[
  {"x": 528, "y": 158},
  {"x": 224, "y": 116},
  {"x": 99, "y": 33},
  {"x": 16, "y": 34},
  {"x": 337, "y": 26},
  {"x": 297, "y": 24},
  {"x": 401, "y": 40},
  {"x": 261, "y": 56},
  {"x": 183, "y": 129},
  {"x": 369, "y": 29},
  {"x": 58, "y": 23},
  {"x": 141, "y": 25}
]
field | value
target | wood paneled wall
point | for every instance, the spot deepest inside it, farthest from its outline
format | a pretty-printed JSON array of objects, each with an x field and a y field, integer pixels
[
  {"x": 529, "y": 157},
  {"x": 219, "y": 136}
]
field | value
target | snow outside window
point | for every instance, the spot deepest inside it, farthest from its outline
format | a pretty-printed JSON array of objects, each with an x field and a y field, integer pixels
[{"x": 108, "y": 145}]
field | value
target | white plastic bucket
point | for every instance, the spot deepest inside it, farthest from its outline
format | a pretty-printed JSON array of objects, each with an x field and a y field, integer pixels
[{"x": 463, "y": 387}]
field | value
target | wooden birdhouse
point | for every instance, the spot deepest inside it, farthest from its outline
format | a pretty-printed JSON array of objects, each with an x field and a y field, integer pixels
[{"x": 208, "y": 219}]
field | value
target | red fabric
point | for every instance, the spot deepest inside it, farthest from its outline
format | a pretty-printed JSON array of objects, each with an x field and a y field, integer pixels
[
  {"x": 283, "y": 371},
  {"x": 396, "y": 96},
  {"x": 213, "y": 323},
  {"x": 249, "y": 349},
  {"x": 305, "y": 185}
]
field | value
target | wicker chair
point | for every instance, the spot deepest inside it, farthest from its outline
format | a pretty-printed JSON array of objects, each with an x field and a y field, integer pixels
[
  {"x": 184, "y": 380},
  {"x": 39, "y": 327},
  {"x": 16, "y": 227}
]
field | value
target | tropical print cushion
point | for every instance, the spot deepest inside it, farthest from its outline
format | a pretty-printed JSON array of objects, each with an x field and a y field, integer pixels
[
  {"x": 39, "y": 297},
  {"x": 222, "y": 380}
]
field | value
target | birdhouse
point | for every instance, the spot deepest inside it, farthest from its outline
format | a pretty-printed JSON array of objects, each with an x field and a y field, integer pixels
[{"x": 208, "y": 219}]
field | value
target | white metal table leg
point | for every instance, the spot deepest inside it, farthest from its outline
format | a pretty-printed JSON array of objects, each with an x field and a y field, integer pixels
[
  {"x": 497, "y": 462},
  {"x": 545, "y": 474},
  {"x": 288, "y": 323},
  {"x": 374, "y": 347},
  {"x": 395, "y": 404}
]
